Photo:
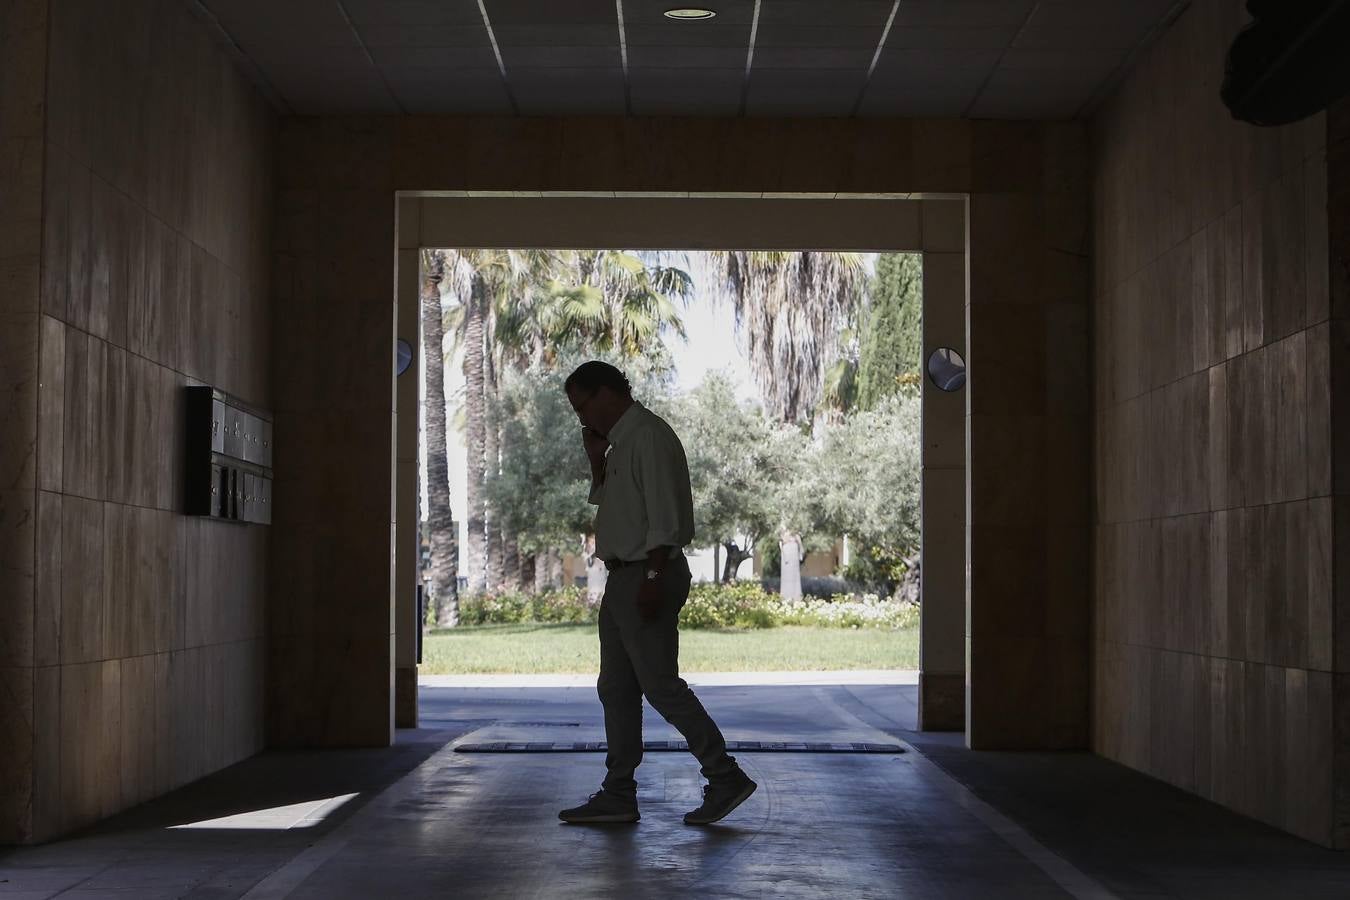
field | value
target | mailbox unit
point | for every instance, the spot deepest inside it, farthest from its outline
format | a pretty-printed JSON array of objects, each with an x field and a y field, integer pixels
[{"x": 229, "y": 458}]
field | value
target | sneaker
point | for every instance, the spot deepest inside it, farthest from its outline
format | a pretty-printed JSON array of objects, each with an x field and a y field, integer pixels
[
  {"x": 720, "y": 800},
  {"x": 602, "y": 807}
]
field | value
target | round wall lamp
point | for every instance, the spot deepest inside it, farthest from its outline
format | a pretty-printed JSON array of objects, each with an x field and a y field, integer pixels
[
  {"x": 688, "y": 13},
  {"x": 946, "y": 369},
  {"x": 402, "y": 356}
]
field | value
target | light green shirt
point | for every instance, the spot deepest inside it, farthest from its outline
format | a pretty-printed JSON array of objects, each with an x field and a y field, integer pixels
[{"x": 645, "y": 500}]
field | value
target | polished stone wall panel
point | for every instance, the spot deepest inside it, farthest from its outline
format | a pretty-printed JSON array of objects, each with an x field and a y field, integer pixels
[
  {"x": 149, "y": 270},
  {"x": 1214, "y": 427}
]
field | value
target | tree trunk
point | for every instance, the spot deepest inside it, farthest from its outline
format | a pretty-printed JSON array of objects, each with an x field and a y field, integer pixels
[
  {"x": 474, "y": 436},
  {"x": 525, "y": 574},
  {"x": 555, "y": 569},
  {"x": 541, "y": 572},
  {"x": 717, "y": 564},
  {"x": 492, "y": 468},
  {"x": 735, "y": 556},
  {"x": 443, "y": 569},
  {"x": 510, "y": 563},
  {"x": 790, "y": 583}
]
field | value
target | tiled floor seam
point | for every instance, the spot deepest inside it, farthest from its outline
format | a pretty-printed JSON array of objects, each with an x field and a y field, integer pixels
[{"x": 1072, "y": 879}]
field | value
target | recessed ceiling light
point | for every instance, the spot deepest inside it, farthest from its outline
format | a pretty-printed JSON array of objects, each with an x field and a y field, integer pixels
[{"x": 689, "y": 13}]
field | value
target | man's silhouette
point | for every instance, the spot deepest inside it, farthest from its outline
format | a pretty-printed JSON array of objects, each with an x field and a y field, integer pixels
[{"x": 640, "y": 482}]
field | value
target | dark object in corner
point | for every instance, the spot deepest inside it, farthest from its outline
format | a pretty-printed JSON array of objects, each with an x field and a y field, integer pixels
[{"x": 1292, "y": 61}]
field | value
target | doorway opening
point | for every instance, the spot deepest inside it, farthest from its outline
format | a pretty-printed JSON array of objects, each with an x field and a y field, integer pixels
[{"x": 808, "y": 409}]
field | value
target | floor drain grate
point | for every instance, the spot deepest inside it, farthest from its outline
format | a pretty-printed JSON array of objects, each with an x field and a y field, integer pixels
[{"x": 671, "y": 746}]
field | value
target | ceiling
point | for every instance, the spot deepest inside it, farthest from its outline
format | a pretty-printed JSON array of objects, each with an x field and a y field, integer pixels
[{"x": 1010, "y": 59}]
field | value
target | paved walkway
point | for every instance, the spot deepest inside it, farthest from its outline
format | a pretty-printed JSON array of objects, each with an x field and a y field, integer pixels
[{"x": 422, "y": 820}]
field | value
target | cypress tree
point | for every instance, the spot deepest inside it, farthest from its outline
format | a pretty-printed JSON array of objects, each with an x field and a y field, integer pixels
[{"x": 892, "y": 340}]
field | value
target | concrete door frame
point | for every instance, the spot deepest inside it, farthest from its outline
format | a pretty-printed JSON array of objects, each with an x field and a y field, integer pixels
[{"x": 931, "y": 224}]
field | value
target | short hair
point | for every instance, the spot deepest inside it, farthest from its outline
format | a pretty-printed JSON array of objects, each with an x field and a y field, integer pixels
[{"x": 593, "y": 375}]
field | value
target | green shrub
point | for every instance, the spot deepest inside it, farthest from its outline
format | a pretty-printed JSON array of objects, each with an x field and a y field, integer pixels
[
  {"x": 508, "y": 608},
  {"x": 736, "y": 605}
]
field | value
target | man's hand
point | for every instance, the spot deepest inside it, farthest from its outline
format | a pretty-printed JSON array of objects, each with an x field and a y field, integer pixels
[
  {"x": 650, "y": 599},
  {"x": 595, "y": 446}
]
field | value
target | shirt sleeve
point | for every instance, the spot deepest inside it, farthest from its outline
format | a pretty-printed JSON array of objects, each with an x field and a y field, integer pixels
[
  {"x": 663, "y": 477},
  {"x": 597, "y": 491}
]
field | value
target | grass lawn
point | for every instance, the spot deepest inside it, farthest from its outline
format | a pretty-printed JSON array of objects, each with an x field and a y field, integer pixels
[{"x": 533, "y": 649}]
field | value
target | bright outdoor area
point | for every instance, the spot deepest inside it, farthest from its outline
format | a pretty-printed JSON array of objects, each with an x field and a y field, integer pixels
[{"x": 792, "y": 379}]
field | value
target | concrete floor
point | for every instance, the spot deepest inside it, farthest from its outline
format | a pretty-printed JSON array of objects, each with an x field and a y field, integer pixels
[{"x": 421, "y": 820}]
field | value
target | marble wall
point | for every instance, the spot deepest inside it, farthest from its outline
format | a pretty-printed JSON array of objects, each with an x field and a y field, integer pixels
[
  {"x": 147, "y": 635},
  {"x": 1029, "y": 380},
  {"x": 1215, "y": 515},
  {"x": 23, "y": 67}
]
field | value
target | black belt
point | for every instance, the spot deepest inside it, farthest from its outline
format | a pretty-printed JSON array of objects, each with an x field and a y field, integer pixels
[{"x": 612, "y": 564}]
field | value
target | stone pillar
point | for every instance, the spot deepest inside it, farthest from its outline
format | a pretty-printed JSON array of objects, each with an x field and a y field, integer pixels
[
  {"x": 942, "y": 651},
  {"x": 28, "y": 695},
  {"x": 407, "y": 561},
  {"x": 1029, "y": 446},
  {"x": 331, "y": 638},
  {"x": 1338, "y": 245}
]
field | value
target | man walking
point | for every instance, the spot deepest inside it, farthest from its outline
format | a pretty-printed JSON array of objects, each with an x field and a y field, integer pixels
[{"x": 640, "y": 482}]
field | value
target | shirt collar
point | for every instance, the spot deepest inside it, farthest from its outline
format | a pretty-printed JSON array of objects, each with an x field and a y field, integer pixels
[{"x": 627, "y": 422}]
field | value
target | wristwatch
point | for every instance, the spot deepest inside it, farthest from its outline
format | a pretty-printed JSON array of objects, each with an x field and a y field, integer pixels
[{"x": 652, "y": 574}]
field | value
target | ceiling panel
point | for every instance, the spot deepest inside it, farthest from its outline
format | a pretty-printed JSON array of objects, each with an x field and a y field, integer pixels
[
  {"x": 812, "y": 13},
  {"x": 855, "y": 59},
  {"x": 551, "y": 12},
  {"x": 414, "y": 12},
  {"x": 687, "y": 57},
  {"x": 816, "y": 36},
  {"x": 305, "y": 13},
  {"x": 480, "y": 57},
  {"x": 969, "y": 13},
  {"x": 449, "y": 91},
  {"x": 929, "y": 38},
  {"x": 328, "y": 91},
  {"x": 732, "y": 36},
  {"x": 568, "y": 91},
  {"x": 650, "y": 13},
  {"x": 996, "y": 58},
  {"x": 921, "y": 91},
  {"x": 777, "y": 92},
  {"x": 685, "y": 92},
  {"x": 424, "y": 35},
  {"x": 561, "y": 57},
  {"x": 556, "y": 35}
]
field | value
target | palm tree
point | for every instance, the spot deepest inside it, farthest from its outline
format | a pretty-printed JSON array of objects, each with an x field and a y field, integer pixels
[
  {"x": 790, "y": 307},
  {"x": 486, "y": 280},
  {"x": 612, "y": 301},
  {"x": 443, "y": 571}
]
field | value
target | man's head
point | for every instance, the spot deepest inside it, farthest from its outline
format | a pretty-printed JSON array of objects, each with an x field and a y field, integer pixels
[{"x": 599, "y": 394}]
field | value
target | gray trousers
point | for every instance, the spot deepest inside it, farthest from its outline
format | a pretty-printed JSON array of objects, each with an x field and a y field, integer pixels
[{"x": 640, "y": 658}]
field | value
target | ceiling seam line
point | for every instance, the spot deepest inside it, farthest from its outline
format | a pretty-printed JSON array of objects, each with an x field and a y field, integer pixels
[
  {"x": 876, "y": 56},
  {"x": 623, "y": 58},
  {"x": 270, "y": 91},
  {"x": 749, "y": 58},
  {"x": 989, "y": 76},
  {"x": 497, "y": 52},
  {"x": 346, "y": 17},
  {"x": 1117, "y": 75}
]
